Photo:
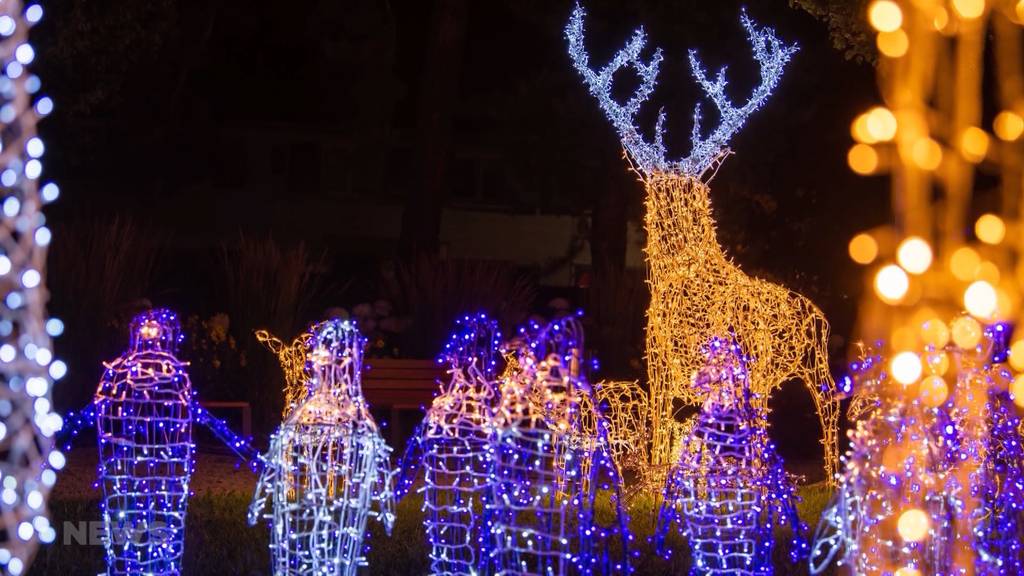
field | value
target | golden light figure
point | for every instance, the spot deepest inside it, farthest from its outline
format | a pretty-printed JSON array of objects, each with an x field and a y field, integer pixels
[
  {"x": 292, "y": 358},
  {"x": 696, "y": 289}
]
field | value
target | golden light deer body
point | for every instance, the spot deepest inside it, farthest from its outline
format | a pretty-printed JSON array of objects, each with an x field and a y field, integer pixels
[{"x": 697, "y": 292}]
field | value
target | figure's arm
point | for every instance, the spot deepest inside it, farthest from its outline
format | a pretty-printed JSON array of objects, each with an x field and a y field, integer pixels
[
  {"x": 785, "y": 507},
  {"x": 268, "y": 478},
  {"x": 410, "y": 464},
  {"x": 74, "y": 423},
  {"x": 240, "y": 446},
  {"x": 384, "y": 492},
  {"x": 669, "y": 513}
]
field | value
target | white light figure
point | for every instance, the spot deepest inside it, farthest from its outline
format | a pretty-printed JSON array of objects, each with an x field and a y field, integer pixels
[
  {"x": 28, "y": 461},
  {"x": 327, "y": 466},
  {"x": 453, "y": 446},
  {"x": 143, "y": 411},
  {"x": 729, "y": 490},
  {"x": 551, "y": 465}
]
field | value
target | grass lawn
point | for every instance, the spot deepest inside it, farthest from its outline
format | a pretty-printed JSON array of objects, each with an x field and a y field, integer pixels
[{"x": 220, "y": 542}]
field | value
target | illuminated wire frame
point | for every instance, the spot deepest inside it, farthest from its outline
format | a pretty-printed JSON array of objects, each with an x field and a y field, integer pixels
[
  {"x": 933, "y": 482},
  {"x": 28, "y": 462},
  {"x": 327, "y": 466},
  {"x": 144, "y": 428},
  {"x": 292, "y": 358},
  {"x": 453, "y": 447},
  {"x": 729, "y": 490},
  {"x": 552, "y": 465},
  {"x": 143, "y": 413},
  {"x": 696, "y": 290}
]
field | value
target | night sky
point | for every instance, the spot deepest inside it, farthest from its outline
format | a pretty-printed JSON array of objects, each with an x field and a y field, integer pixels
[{"x": 203, "y": 121}]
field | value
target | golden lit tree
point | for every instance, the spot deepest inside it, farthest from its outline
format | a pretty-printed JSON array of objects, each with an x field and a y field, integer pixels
[{"x": 697, "y": 292}]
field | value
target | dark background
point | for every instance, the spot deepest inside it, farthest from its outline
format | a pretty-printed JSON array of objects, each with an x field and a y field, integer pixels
[{"x": 200, "y": 146}]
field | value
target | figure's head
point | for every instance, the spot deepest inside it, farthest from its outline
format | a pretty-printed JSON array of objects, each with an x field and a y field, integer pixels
[
  {"x": 156, "y": 330},
  {"x": 335, "y": 353},
  {"x": 724, "y": 375},
  {"x": 475, "y": 341}
]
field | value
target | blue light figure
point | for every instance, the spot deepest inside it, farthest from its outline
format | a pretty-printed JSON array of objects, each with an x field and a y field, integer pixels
[
  {"x": 327, "y": 466},
  {"x": 551, "y": 464},
  {"x": 143, "y": 410},
  {"x": 452, "y": 446},
  {"x": 143, "y": 413},
  {"x": 729, "y": 490}
]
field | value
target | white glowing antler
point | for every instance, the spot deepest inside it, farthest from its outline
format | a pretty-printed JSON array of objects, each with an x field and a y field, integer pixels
[{"x": 769, "y": 52}]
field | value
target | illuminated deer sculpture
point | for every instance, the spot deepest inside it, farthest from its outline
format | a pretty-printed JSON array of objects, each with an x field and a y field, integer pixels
[{"x": 696, "y": 290}]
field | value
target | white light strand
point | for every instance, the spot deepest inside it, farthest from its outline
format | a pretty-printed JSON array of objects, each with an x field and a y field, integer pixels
[
  {"x": 27, "y": 364},
  {"x": 327, "y": 466},
  {"x": 769, "y": 52}
]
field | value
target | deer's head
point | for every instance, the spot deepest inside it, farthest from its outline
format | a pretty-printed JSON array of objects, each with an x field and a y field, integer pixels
[{"x": 707, "y": 152}]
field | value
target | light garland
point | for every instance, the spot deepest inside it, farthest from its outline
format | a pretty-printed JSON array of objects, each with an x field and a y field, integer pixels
[
  {"x": 729, "y": 491},
  {"x": 27, "y": 362},
  {"x": 327, "y": 466},
  {"x": 696, "y": 290},
  {"x": 453, "y": 447},
  {"x": 551, "y": 463}
]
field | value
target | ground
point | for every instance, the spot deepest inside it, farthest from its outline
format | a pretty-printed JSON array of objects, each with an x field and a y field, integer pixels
[{"x": 220, "y": 542}]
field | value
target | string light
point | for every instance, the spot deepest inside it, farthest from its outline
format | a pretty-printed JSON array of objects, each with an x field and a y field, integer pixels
[
  {"x": 729, "y": 490},
  {"x": 453, "y": 447},
  {"x": 863, "y": 249},
  {"x": 891, "y": 283},
  {"x": 769, "y": 52},
  {"x": 28, "y": 367},
  {"x": 695, "y": 289},
  {"x": 327, "y": 465},
  {"x": 914, "y": 255},
  {"x": 885, "y": 15},
  {"x": 990, "y": 229},
  {"x": 551, "y": 465}
]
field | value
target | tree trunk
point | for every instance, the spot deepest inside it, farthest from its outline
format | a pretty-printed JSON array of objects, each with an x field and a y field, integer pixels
[{"x": 438, "y": 90}]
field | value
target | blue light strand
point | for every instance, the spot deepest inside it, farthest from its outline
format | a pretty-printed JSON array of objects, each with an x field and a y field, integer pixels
[
  {"x": 453, "y": 448},
  {"x": 551, "y": 463},
  {"x": 729, "y": 490},
  {"x": 769, "y": 52}
]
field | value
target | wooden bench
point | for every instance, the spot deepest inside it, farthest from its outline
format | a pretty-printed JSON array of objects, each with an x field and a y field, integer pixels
[{"x": 400, "y": 386}]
